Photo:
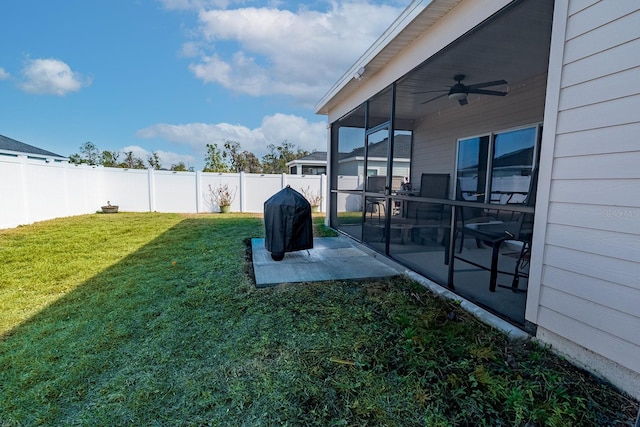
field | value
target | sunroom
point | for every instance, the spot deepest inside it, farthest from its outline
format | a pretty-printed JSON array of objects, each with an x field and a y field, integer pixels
[{"x": 465, "y": 84}]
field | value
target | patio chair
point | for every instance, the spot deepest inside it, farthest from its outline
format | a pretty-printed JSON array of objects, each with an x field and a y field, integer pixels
[
  {"x": 429, "y": 216},
  {"x": 434, "y": 186},
  {"x": 375, "y": 184},
  {"x": 495, "y": 233},
  {"x": 466, "y": 215},
  {"x": 396, "y": 185}
]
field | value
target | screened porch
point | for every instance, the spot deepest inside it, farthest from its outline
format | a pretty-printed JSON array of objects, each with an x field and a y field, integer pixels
[{"x": 460, "y": 210}]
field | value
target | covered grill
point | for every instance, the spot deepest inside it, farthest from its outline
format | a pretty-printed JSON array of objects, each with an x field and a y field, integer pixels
[{"x": 287, "y": 222}]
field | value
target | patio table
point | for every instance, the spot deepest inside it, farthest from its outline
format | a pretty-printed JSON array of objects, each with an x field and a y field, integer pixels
[{"x": 492, "y": 233}]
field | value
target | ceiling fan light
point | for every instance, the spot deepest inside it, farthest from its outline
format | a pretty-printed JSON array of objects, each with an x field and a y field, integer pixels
[{"x": 457, "y": 96}]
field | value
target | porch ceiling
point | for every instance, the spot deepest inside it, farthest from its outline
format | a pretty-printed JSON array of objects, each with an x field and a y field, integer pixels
[{"x": 513, "y": 46}]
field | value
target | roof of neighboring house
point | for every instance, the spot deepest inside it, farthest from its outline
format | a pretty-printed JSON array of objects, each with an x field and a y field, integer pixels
[
  {"x": 519, "y": 158},
  {"x": 401, "y": 145},
  {"x": 315, "y": 156},
  {"x": 9, "y": 144}
]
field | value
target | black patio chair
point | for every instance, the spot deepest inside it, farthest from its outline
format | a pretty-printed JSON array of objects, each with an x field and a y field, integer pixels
[
  {"x": 429, "y": 217},
  {"x": 495, "y": 233},
  {"x": 375, "y": 184},
  {"x": 434, "y": 186},
  {"x": 467, "y": 215}
]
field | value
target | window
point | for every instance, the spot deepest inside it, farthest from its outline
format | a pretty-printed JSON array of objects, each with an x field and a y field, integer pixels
[
  {"x": 511, "y": 165},
  {"x": 496, "y": 168},
  {"x": 472, "y": 167}
]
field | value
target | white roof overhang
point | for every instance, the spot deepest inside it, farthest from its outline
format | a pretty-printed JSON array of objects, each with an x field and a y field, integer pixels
[
  {"x": 434, "y": 40},
  {"x": 414, "y": 20}
]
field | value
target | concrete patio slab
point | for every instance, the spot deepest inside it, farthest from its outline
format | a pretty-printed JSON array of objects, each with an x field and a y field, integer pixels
[{"x": 332, "y": 258}]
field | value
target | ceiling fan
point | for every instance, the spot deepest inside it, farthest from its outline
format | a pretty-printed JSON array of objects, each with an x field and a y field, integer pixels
[{"x": 459, "y": 91}]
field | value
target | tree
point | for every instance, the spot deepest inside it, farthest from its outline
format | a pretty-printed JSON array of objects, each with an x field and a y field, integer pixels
[
  {"x": 180, "y": 167},
  {"x": 154, "y": 161},
  {"x": 75, "y": 159},
  {"x": 275, "y": 161},
  {"x": 109, "y": 159},
  {"x": 213, "y": 160},
  {"x": 89, "y": 154},
  {"x": 240, "y": 161},
  {"x": 132, "y": 162},
  {"x": 248, "y": 162}
]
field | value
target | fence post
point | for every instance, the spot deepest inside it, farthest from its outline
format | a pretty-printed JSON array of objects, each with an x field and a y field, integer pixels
[
  {"x": 242, "y": 189},
  {"x": 152, "y": 189},
  {"x": 198, "y": 191},
  {"x": 283, "y": 181},
  {"x": 323, "y": 193}
]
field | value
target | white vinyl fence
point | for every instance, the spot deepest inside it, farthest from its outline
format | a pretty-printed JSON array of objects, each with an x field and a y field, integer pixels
[{"x": 33, "y": 190}]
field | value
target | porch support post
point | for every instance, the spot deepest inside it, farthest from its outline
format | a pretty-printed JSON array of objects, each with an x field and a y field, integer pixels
[{"x": 451, "y": 247}]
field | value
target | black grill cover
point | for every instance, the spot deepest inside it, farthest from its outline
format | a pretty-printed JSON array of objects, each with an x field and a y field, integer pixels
[{"x": 287, "y": 223}]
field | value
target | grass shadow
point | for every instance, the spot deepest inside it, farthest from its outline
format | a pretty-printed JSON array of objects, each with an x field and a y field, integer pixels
[{"x": 125, "y": 328}]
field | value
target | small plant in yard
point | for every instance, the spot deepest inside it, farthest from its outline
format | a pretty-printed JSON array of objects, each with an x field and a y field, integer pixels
[
  {"x": 221, "y": 196},
  {"x": 313, "y": 198}
]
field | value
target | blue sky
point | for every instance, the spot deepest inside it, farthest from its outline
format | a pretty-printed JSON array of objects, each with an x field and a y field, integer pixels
[{"x": 173, "y": 75}]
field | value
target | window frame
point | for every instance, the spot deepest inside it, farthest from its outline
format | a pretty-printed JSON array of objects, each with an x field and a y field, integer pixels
[{"x": 491, "y": 153}]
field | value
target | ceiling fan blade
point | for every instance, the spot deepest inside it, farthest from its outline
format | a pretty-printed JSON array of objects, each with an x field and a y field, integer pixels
[
  {"x": 463, "y": 101},
  {"x": 433, "y": 99},
  {"x": 487, "y": 92},
  {"x": 487, "y": 84}
]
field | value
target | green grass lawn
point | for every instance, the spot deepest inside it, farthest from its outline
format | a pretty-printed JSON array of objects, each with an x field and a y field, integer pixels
[{"x": 152, "y": 319}]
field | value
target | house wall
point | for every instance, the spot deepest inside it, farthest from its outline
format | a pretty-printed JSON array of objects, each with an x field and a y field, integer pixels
[
  {"x": 435, "y": 136},
  {"x": 587, "y": 233},
  {"x": 32, "y": 190},
  {"x": 350, "y": 168}
]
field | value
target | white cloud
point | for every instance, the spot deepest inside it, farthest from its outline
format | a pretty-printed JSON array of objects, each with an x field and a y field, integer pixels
[
  {"x": 167, "y": 158},
  {"x": 4, "y": 74},
  {"x": 190, "y": 50},
  {"x": 274, "y": 130},
  {"x": 280, "y": 52},
  {"x": 51, "y": 77}
]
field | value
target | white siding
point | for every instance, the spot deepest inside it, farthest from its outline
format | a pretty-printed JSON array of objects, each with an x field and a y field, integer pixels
[{"x": 589, "y": 272}]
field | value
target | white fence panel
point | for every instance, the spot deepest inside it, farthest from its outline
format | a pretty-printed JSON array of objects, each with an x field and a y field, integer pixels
[
  {"x": 175, "y": 192},
  {"x": 13, "y": 208},
  {"x": 313, "y": 185},
  {"x": 259, "y": 188},
  {"x": 212, "y": 181},
  {"x": 84, "y": 189},
  {"x": 50, "y": 198},
  {"x": 127, "y": 188},
  {"x": 349, "y": 202},
  {"x": 33, "y": 190}
]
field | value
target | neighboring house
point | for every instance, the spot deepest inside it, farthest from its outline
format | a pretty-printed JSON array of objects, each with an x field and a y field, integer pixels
[
  {"x": 493, "y": 92},
  {"x": 11, "y": 147},
  {"x": 311, "y": 164},
  {"x": 353, "y": 163}
]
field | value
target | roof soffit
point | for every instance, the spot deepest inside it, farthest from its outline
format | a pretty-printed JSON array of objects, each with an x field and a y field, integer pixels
[{"x": 411, "y": 24}]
